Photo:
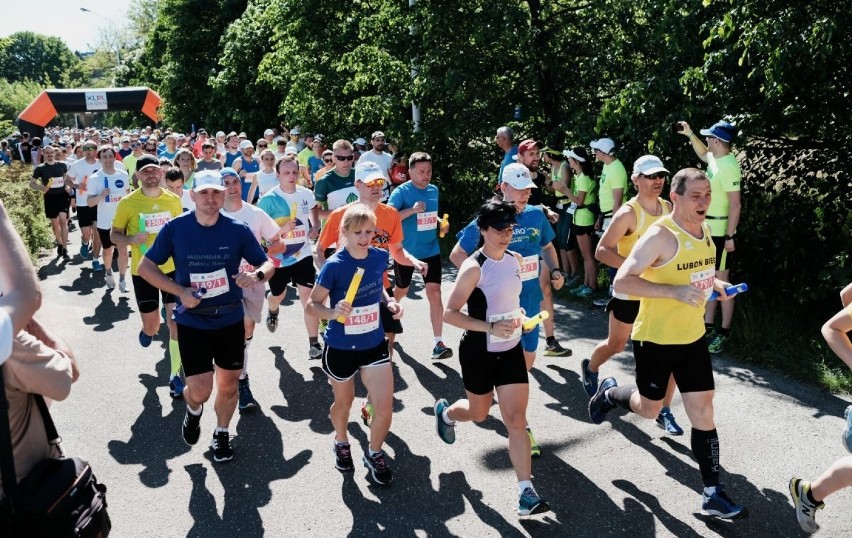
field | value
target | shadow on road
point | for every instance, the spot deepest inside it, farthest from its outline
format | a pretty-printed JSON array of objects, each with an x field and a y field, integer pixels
[
  {"x": 85, "y": 283},
  {"x": 108, "y": 312},
  {"x": 52, "y": 268}
]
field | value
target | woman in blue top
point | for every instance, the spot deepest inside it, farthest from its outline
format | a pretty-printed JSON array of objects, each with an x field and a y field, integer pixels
[{"x": 358, "y": 343}]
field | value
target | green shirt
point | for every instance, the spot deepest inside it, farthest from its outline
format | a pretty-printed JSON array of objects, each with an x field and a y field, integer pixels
[
  {"x": 613, "y": 176},
  {"x": 583, "y": 183},
  {"x": 304, "y": 155},
  {"x": 725, "y": 176}
]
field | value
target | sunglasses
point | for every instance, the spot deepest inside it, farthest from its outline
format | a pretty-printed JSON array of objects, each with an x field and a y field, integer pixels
[
  {"x": 262, "y": 146},
  {"x": 327, "y": 161},
  {"x": 500, "y": 226},
  {"x": 345, "y": 157},
  {"x": 89, "y": 148},
  {"x": 374, "y": 183},
  {"x": 656, "y": 175}
]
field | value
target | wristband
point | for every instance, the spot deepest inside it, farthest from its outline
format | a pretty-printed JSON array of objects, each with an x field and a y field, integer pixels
[{"x": 730, "y": 237}]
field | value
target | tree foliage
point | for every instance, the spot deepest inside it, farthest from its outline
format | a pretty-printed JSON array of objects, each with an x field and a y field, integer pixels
[{"x": 35, "y": 57}]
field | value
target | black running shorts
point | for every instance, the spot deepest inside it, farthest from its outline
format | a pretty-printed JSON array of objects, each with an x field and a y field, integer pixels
[
  {"x": 483, "y": 371},
  {"x": 689, "y": 363},
  {"x": 200, "y": 349}
]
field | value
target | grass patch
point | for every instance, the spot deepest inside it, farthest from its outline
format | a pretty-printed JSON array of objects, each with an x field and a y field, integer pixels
[{"x": 25, "y": 207}]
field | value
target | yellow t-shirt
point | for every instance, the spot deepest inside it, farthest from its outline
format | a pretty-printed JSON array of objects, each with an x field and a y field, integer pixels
[
  {"x": 613, "y": 176},
  {"x": 725, "y": 177},
  {"x": 669, "y": 321},
  {"x": 643, "y": 221},
  {"x": 137, "y": 211},
  {"x": 582, "y": 182}
]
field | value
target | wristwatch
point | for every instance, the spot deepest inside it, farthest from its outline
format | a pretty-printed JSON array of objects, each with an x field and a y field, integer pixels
[
  {"x": 557, "y": 272},
  {"x": 727, "y": 237},
  {"x": 259, "y": 276}
]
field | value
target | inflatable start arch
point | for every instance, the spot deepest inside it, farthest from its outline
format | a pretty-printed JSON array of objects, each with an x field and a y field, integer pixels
[{"x": 49, "y": 103}]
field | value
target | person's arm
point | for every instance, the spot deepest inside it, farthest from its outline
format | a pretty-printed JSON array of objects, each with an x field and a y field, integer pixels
[
  {"x": 657, "y": 245},
  {"x": 53, "y": 341},
  {"x": 697, "y": 145},
  {"x": 253, "y": 188},
  {"x": 834, "y": 331},
  {"x": 734, "y": 208},
  {"x": 458, "y": 256},
  {"x": 316, "y": 305},
  {"x": 151, "y": 272},
  {"x": 403, "y": 257},
  {"x": 119, "y": 237},
  {"x": 94, "y": 199},
  {"x": 35, "y": 184},
  {"x": 617, "y": 199},
  {"x": 551, "y": 261},
  {"x": 846, "y": 295},
  {"x": 21, "y": 295},
  {"x": 465, "y": 283},
  {"x": 623, "y": 222}
]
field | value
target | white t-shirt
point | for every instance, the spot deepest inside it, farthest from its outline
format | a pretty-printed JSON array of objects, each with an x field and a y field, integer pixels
[
  {"x": 186, "y": 201},
  {"x": 79, "y": 172},
  {"x": 384, "y": 160},
  {"x": 119, "y": 187},
  {"x": 266, "y": 182},
  {"x": 261, "y": 225},
  {"x": 7, "y": 335}
]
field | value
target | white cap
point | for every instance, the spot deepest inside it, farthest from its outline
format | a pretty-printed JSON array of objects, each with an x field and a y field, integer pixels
[
  {"x": 268, "y": 132},
  {"x": 648, "y": 164},
  {"x": 295, "y": 130},
  {"x": 518, "y": 176},
  {"x": 360, "y": 141},
  {"x": 368, "y": 171},
  {"x": 208, "y": 179},
  {"x": 604, "y": 144},
  {"x": 291, "y": 149},
  {"x": 220, "y": 133},
  {"x": 246, "y": 144},
  {"x": 570, "y": 154}
]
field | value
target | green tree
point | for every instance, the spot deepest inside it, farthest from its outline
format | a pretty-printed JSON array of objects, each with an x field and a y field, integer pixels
[
  {"x": 31, "y": 56},
  {"x": 14, "y": 98}
]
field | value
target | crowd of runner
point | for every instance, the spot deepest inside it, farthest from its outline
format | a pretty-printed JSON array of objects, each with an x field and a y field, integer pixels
[{"x": 215, "y": 229}]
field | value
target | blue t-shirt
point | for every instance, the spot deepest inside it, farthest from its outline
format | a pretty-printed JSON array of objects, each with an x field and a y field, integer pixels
[
  {"x": 420, "y": 230},
  {"x": 250, "y": 166},
  {"x": 507, "y": 159},
  {"x": 532, "y": 233},
  {"x": 208, "y": 256},
  {"x": 314, "y": 165},
  {"x": 164, "y": 153},
  {"x": 335, "y": 276}
]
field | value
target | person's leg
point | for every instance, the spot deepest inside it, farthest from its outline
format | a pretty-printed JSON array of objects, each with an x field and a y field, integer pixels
[
  {"x": 311, "y": 322},
  {"x": 123, "y": 259},
  {"x": 436, "y": 308},
  {"x": 150, "y": 322},
  {"x": 473, "y": 408},
  {"x": 833, "y": 479},
  {"x": 512, "y": 400},
  {"x": 615, "y": 343},
  {"x": 96, "y": 243},
  {"x": 197, "y": 392},
  {"x": 63, "y": 229},
  {"x": 727, "y": 306},
  {"x": 589, "y": 265},
  {"x": 107, "y": 257},
  {"x": 226, "y": 396},
  {"x": 344, "y": 394},
  {"x": 57, "y": 233},
  {"x": 379, "y": 383},
  {"x": 546, "y": 304}
]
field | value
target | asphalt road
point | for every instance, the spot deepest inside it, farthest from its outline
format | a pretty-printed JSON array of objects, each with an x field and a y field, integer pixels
[{"x": 624, "y": 477}]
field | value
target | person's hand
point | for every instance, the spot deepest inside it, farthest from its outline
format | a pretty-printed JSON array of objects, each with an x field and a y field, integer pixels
[
  {"x": 246, "y": 279},
  {"x": 139, "y": 239},
  {"x": 395, "y": 308},
  {"x": 729, "y": 245},
  {"x": 556, "y": 279},
  {"x": 342, "y": 309},
  {"x": 552, "y": 216},
  {"x": 313, "y": 235},
  {"x": 288, "y": 226},
  {"x": 105, "y": 194},
  {"x": 720, "y": 286},
  {"x": 187, "y": 298},
  {"x": 689, "y": 294},
  {"x": 686, "y": 129},
  {"x": 419, "y": 207},
  {"x": 422, "y": 267},
  {"x": 504, "y": 328}
]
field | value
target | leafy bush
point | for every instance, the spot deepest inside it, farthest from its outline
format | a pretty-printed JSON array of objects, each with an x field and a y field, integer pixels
[{"x": 25, "y": 207}]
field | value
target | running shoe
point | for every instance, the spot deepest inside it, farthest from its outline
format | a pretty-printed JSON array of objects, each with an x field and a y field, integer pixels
[
  {"x": 367, "y": 413},
  {"x": 58, "y": 250},
  {"x": 717, "y": 343},
  {"x": 343, "y": 457},
  {"x": 122, "y": 285},
  {"x": 446, "y": 432},
  {"x": 65, "y": 253},
  {"x": 586, "y": 292},
  {"x": 315, "y": 351},
  {"x": 720, "y": 505},
  {"x": 379, "y": 468},
  {"x": 666, "y": 421},
  {"x": 805, "y": 509},
  {"x": 191, "y": 428},
  {"x": 575, "y": 291},
  {"x": 530, "y": 503},
  {"x": 440, "y": 351},
  {"x": 554, "y": 349},
  {"x": 571, "y": 282},
  {"x": 97, "y": 266},
  {"x": 602, "y": 301},
  {"x": 176, "y": 386},
  {"x": 535, "y": 450},
  {"x": 144, "y": 339},
  {"x": 84, "y": 251},
  {"x": 221, "y": 447},
  {"x": 590, "y": 378},
  {"x": 110, "y": 280},
  {"x": 244, "y": 397},
  {"x": 271, "y": 321},
  {"x": 847, "y": 430},
  {"x": 598, "y": 405},
  {"x": 709, "y": 333}
]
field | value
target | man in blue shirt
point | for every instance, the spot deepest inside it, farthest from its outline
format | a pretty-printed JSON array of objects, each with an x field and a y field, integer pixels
[
  {"x": 505, "y": 141},
  {"x": 417, "y": 203},
  {"x": 207, "y": 248}
]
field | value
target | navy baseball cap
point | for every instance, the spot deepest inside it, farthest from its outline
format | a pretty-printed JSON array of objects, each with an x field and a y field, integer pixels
[{"x": 722, "y": 130}]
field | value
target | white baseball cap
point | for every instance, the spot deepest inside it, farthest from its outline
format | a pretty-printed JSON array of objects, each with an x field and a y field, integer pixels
[
  {"x": 208, "y": 179},
  {"x": 648, "y": 164},
  {"x": 368, "y": 171},
  {"x": 518, "y": 176},
  {"x": 605, "y": 145},
  {"x": 246, "y": 144}
]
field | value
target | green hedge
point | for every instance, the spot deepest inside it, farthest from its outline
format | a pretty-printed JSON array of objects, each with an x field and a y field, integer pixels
[{"x": 25, "y": 207}]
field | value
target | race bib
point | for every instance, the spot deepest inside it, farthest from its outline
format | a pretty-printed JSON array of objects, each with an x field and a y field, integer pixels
[
  {"x": 362, "y": 319},
  {"x": 529, "y": 268},
  {"x": 246, "y": 267},
  {"x": 428, "y": 220},
  {"x": 154, "y": 222},
  {"x": 57, "y": 182},
  {"x": 216, "y": 283},
  {"x": 297, "y": 237},
  {"x": 571, "y": 209},
  {"x": 514, "y": 314},
  {"x": 703, "y": 280}
]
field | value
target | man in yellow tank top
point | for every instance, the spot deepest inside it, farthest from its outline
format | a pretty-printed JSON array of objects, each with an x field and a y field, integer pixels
[
  {"x": 672, "y": 269},
  {"x": 628, "y": 224}
]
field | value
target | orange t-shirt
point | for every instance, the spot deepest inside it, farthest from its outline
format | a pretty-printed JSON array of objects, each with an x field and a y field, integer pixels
[{"x": 388, "y": 230}]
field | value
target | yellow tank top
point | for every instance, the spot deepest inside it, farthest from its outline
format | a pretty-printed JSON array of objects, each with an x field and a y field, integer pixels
[
  {"x": 643, "y": 221},
  {"x": 668, "y": 321}
]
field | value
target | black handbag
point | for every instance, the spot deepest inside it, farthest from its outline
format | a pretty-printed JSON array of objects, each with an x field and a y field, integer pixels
[{"x": 59, "y": 497}]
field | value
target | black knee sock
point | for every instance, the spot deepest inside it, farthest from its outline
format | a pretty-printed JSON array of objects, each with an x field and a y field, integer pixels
[
  {"x": 705, "y": 448},
  {"x": 620, "y": 396}
]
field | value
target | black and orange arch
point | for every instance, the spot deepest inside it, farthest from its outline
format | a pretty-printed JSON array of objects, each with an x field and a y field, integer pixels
[{"x": 49, "y": 103}]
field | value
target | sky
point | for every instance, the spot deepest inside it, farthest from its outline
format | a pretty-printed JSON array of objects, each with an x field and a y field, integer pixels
[{"x": 63, "y": 19}]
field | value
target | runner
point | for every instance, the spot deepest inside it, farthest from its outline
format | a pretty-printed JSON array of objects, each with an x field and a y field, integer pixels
[
  {"x": 337, "y": 187},
  {"x": 78, "y": 174},
  {"x": 533, "y": 239},
  {"x": 264, "y": 229},
  {"x": 628, "y": 224},
  {"x": 417, "y": 203},
  {"x": 293, "y": 255},
  {"x": 490, "y": 351},
  {"x": 585, "y": 196},
  {"x": 49, "y": 179},
  {"x": 208, "y": 248},
  {"x": 105, "y": 189},
  {"x": 266, "y": 178},
  {"x": 247, "y": 166},
  {"x": 357, "y": 344},
  {"x": 672, "y": 269},
  {"x": 138, "y": 219},
  {"x": 173, "y": 178}
]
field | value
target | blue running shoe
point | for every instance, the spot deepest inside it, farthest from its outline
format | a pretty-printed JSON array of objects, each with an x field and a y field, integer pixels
[
  {"x": 176, "y": 386},
  {"x": 84, "y": 251},
  {"x": 97, "y": 266},
  {"x": 720, "y": 505},
  {"x": 446, "y": 432},
  {"x": 847, "y": 431},
  {"x": 144, "y": 339},
  {"x": 245, "y": 399},
  {"x": 666, "y": 421},
  {"x": 530, "y": 503},
  {"x": 590, "y": 378},
  {"x": 598, "y": 405}
]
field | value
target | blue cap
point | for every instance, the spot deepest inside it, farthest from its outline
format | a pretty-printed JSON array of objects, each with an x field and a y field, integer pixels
[
  {"x": 722, "y": 130},
  {"x": 228, "y": 171}
]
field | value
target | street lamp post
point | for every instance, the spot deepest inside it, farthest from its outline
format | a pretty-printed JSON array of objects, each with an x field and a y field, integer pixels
[{"x": 117, "y": 47}]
